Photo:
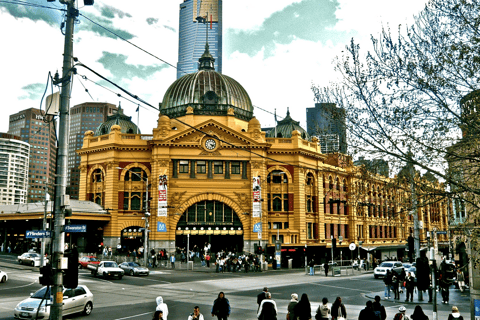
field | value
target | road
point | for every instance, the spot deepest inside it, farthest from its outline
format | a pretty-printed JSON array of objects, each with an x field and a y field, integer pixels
[{"x": 134, "y": 297}]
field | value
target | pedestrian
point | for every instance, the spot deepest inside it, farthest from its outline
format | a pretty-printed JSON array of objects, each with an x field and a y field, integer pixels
[
  {"x": 388, "y": 283},
  {"x": 455, "y": 315},
  {"x": 262, "y": 295},
  {"x": 367, "y": 313},
  {"x": 409, "y": 286},
  {"x": 267, "y": 309},
  {"x": 162, "y": 306},
  {"x": 460, "y": 280},
  {"x": 378, "y": 309},
  {"x": 325, "y": 267},
  {"x": 291, "y": 307},
  {"x": 303, "y": 309},
  {"x": 221, "y": 307},
  {"x": 418, "y": 314},
  {"x": 110, "y": 252},
  {"x": 207, "y": 258},
  {"x": 338, "y": 310},
  {"x": 401, "y": 279},
  {"x": 323, "y": 310},
  {"x": 401, "y": 314},
  {"x": 172, "y": 260},
  {"x": 444, "y": 287},
  {"x": 395, "y": 281},
  {"x": 311, "y": 264},
  {"x": 134, "y": 255},
  {"x": 158, "y": 315},
  {"x": 196, "y": 315}
]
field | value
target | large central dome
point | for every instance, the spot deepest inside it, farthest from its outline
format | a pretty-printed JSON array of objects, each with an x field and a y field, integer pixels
[{"x": 207, "y": 92}]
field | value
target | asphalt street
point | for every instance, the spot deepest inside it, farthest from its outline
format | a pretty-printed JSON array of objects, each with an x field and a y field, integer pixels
[{"x": 134, "y": 297}]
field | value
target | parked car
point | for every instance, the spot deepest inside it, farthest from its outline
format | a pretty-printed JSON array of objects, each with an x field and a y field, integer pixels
[
  {"x": 83, "y": 262},
  {"x": 75, "y": 300},
  {"x": 3, "y": 276},
  {"x": 31, "y": 259},
  {"x": 107, "y": 269},
  {"x": 407, "y": 265},
  {"x": 412, "y": 270},
  {"x": 381, "y": 270},
  {"x": 134, "y": 269}
]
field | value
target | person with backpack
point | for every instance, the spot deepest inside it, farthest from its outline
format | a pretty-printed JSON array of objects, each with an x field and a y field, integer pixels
[
  {"x": 401, "y": 314},
  {"x": 323, "y": 310},
  {"x": 395, "y": 281},
  {"x": 379, "y": 309},
  {"x": 367, "y": 313},
  {"x": 388, "y": 283}
]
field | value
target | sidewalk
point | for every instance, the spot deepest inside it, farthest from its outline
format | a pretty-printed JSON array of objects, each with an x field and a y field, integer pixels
[{"x": 456, "y": 297}]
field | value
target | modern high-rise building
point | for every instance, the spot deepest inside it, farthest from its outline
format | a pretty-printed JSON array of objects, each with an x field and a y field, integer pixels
[
  {"x": 31, "y": 127},
  {"x": 83, "y": 117},
  {"x": 197, "y": 18},
  {"x": 14, "y": 156},
  {"x": 327, "y": 122}
]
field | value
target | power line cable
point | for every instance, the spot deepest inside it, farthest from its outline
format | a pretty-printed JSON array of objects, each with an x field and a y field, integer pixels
[{"x": 29, "y": 4}]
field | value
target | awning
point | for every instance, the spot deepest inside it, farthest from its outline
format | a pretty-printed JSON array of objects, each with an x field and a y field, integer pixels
[
  {"x": 368, "y": 248},
  {"x": 394, "y": 247}
]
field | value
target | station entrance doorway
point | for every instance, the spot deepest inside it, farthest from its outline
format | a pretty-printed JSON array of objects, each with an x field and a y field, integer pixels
[{"x": 210, "y": 222}]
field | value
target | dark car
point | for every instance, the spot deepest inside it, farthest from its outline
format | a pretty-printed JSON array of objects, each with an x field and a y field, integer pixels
[{"x": 134, "y": 269}]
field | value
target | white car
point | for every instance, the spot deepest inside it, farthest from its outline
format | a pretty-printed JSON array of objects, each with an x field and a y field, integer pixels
[
  {"x": 3, "y": 276},
  {"x": 381, "y": 270},
  {"x": 75, "y": 300},
  {"x": 30, "y": 259},
  {"x": 107, "y": 269}
]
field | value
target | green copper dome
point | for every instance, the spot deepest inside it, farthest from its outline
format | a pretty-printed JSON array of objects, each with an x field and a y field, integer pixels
[
  {"x": 125, "y": 123},
  {"x": 208, "y": 92},
  {"x": 285, "y": 127}
]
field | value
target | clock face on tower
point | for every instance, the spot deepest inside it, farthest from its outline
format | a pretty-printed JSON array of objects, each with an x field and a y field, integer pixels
[{"x": 210, "y": 144}]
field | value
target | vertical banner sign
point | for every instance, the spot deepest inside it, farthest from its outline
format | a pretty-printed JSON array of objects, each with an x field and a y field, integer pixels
[
  {"x": 257, "y": 196},
  {"x": 476, "y": 305},
  {"x": 162, "y": 195}
]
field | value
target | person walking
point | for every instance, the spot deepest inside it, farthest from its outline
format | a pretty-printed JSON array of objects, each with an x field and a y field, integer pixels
[
  {"x": 311, "y": 264},
  {"x": 221, "y": 307},
  {"x": 158, "y": 315},
  {"x": 291, "y": 307},
  {"x": 401, "y": 279},
  {"x": 172, "y": 260},
  {"x": 325, "y": 267},
  {"x": 455, "y": 315},
  {"x": 323, "y": 310},
  {"x": 262, "y": 295},
  {"x": 367, "y": 313},
  {"x": 207, "y": 259},
  {"x": 162, "y": 306},
  {"x": 303, "y": 309},
  {"x": 267, "y": 309},
  {"x": 409, "y": 286},
  {"x": 460, "y": 280},
  {"x": 379, "y": 309},
  {"x": 395, "y": 281},
  {"x": 401, "y": 314},
  {"x": 196, "y": 315},
  {"x": 338, "y": 310},
  {"x": 445, "y": 288},
  {"x": 388, "y": 283},
  {"x": 418, "y": 314}
]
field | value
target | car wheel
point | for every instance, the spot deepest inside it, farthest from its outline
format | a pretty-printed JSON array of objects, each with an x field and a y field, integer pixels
[
  {"x": 120, "y": 277},
  {"x": 130, "y": 272},
  {"x": 32, "y": 264},
  {"x": 88, "y": 308},
  {"x": 79, "y": 266},
  {"x": 20, "y": 261},
  {"x": 376, "y": 277},
  {"x": 4, "y": 279},
  {"x": 104, "y": 275}
]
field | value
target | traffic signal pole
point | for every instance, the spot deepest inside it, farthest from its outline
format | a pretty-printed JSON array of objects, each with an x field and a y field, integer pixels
[{"x": 58, "y": 238}]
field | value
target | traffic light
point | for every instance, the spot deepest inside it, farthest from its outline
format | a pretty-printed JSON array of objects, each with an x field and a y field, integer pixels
[
  {"x": 334, "y": 243},
  {"x": 260, "y": 250},
  {"x": 46, "y": 275},
  {"x": 70, "y": 275}
]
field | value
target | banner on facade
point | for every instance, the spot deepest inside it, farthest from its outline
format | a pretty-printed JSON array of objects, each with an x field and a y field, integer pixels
[
  {"x": 257, "y": 197},
  {"x": 257, "y": 227},
  {"x": 162, "y": 195}
]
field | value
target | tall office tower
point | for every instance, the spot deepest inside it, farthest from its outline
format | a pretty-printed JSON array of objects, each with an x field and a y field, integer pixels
[
  {"x": 14, "y": 156},
  {"x": 83, "y": 117},
  {"x": 197, "y": 17},
  {"x": 327, "y": 122},
  {"x": 30, "y": 126}
]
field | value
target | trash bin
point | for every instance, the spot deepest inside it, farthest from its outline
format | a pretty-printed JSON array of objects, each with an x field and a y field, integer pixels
[
  {"x": 265, "y": 266},
  {"x": 290, "y": 263}
]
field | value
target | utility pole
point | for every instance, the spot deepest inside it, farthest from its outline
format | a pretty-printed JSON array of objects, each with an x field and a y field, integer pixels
[{"x": 147, "y": 215}]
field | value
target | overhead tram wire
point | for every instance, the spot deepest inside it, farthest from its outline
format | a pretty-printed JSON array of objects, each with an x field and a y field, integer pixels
[
  {"x": 188, "y": 125},
  {"x": 29, "y": 4}
]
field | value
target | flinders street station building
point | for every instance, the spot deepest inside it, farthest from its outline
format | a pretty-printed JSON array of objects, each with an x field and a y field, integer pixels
[{"x": 209, "y": 173}]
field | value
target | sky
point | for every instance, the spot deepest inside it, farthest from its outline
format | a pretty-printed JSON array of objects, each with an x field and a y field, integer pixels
[{"x": 275, "y": 49}]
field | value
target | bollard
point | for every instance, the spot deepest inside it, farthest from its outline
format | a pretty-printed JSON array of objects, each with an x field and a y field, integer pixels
[{"x": 290, "y": 263}]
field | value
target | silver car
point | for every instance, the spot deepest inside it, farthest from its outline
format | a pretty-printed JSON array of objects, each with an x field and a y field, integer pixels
[
  {"x": 381, "y": 270},
  {"x": 75, "y": 300},
  {"x": 134, "y": 269},
  {"x": 30, "y": 258}
]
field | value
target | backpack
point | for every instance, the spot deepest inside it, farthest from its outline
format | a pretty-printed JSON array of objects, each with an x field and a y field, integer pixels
[
  {"x": 399, "y": 316},
  {"x": 378, "y": 314}
]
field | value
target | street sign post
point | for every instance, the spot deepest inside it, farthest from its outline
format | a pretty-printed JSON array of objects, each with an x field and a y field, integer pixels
[
  {"x": 35, "y": 234},
  {"x": 75, "y": 228}
]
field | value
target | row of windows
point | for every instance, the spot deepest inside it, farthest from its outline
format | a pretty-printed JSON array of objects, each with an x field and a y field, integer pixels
[{"x": 184, "y": 166}]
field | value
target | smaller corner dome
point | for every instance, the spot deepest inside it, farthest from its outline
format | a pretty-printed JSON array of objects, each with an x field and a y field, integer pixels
[
  {"x": 119, "y": 119},
  {"x": 285, "y": 128},
  {"x": 254, "y": 124}
]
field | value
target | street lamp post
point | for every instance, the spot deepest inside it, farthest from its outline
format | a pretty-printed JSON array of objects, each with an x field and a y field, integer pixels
[{"x": 147, "y": 215}]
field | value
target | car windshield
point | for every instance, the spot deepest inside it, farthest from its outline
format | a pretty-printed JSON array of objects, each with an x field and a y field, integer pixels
[
  {"x": 412, "y": 269},
  {"x": 111, "y": 265},
  {"x": 134, "y": 264},
  {"x": 386, "y": 265},
  {"x": 93, "y": 259},
  {"x": 40, "y": 294}
]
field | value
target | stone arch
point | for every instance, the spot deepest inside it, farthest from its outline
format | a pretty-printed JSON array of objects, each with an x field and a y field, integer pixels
[
  {"x": 135, "y": 165},
  {"x": 93, "y": 168},
  {"x": 131, "y": 223},
  {"x": 281, "y": 168},
  {"x": 218, "y": 197}
]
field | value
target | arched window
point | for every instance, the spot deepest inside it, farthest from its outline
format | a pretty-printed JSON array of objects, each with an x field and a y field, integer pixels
[
  {"x": 330, "y": 183},
  {"x": 209, "y": 212},
  {"x": 97, "y": 175},
  {"x": 337, "y": 181},
  {"x": 136, "y": 174},
  {"x": 345, "y": 187}
]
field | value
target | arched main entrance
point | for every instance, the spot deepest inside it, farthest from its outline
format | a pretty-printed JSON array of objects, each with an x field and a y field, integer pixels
[
  {"x": 210, "y": 221},
  {"x": 132, "y": 238}
]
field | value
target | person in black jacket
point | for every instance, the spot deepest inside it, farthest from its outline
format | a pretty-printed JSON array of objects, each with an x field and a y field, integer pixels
[
  {"x": 409, "y": 285},
  {"x": 268, "y": 308},
  {"x": 367, "y": 313},
  {"x": 338, "y": 309},
  {"x": 262, "y": 296},
  {"x": 303, "y": 309},
  {"x": 378, "y": 308},
  {"x": 395, "y": 282},
  {"x": 418, "y": 314},
  {"x": 388, "y": 283},
  {"x": 221, "y": 307}
]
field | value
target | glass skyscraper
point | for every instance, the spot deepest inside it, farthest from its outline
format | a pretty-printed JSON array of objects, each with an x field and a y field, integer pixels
[{"x": 196, "y": 16}]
